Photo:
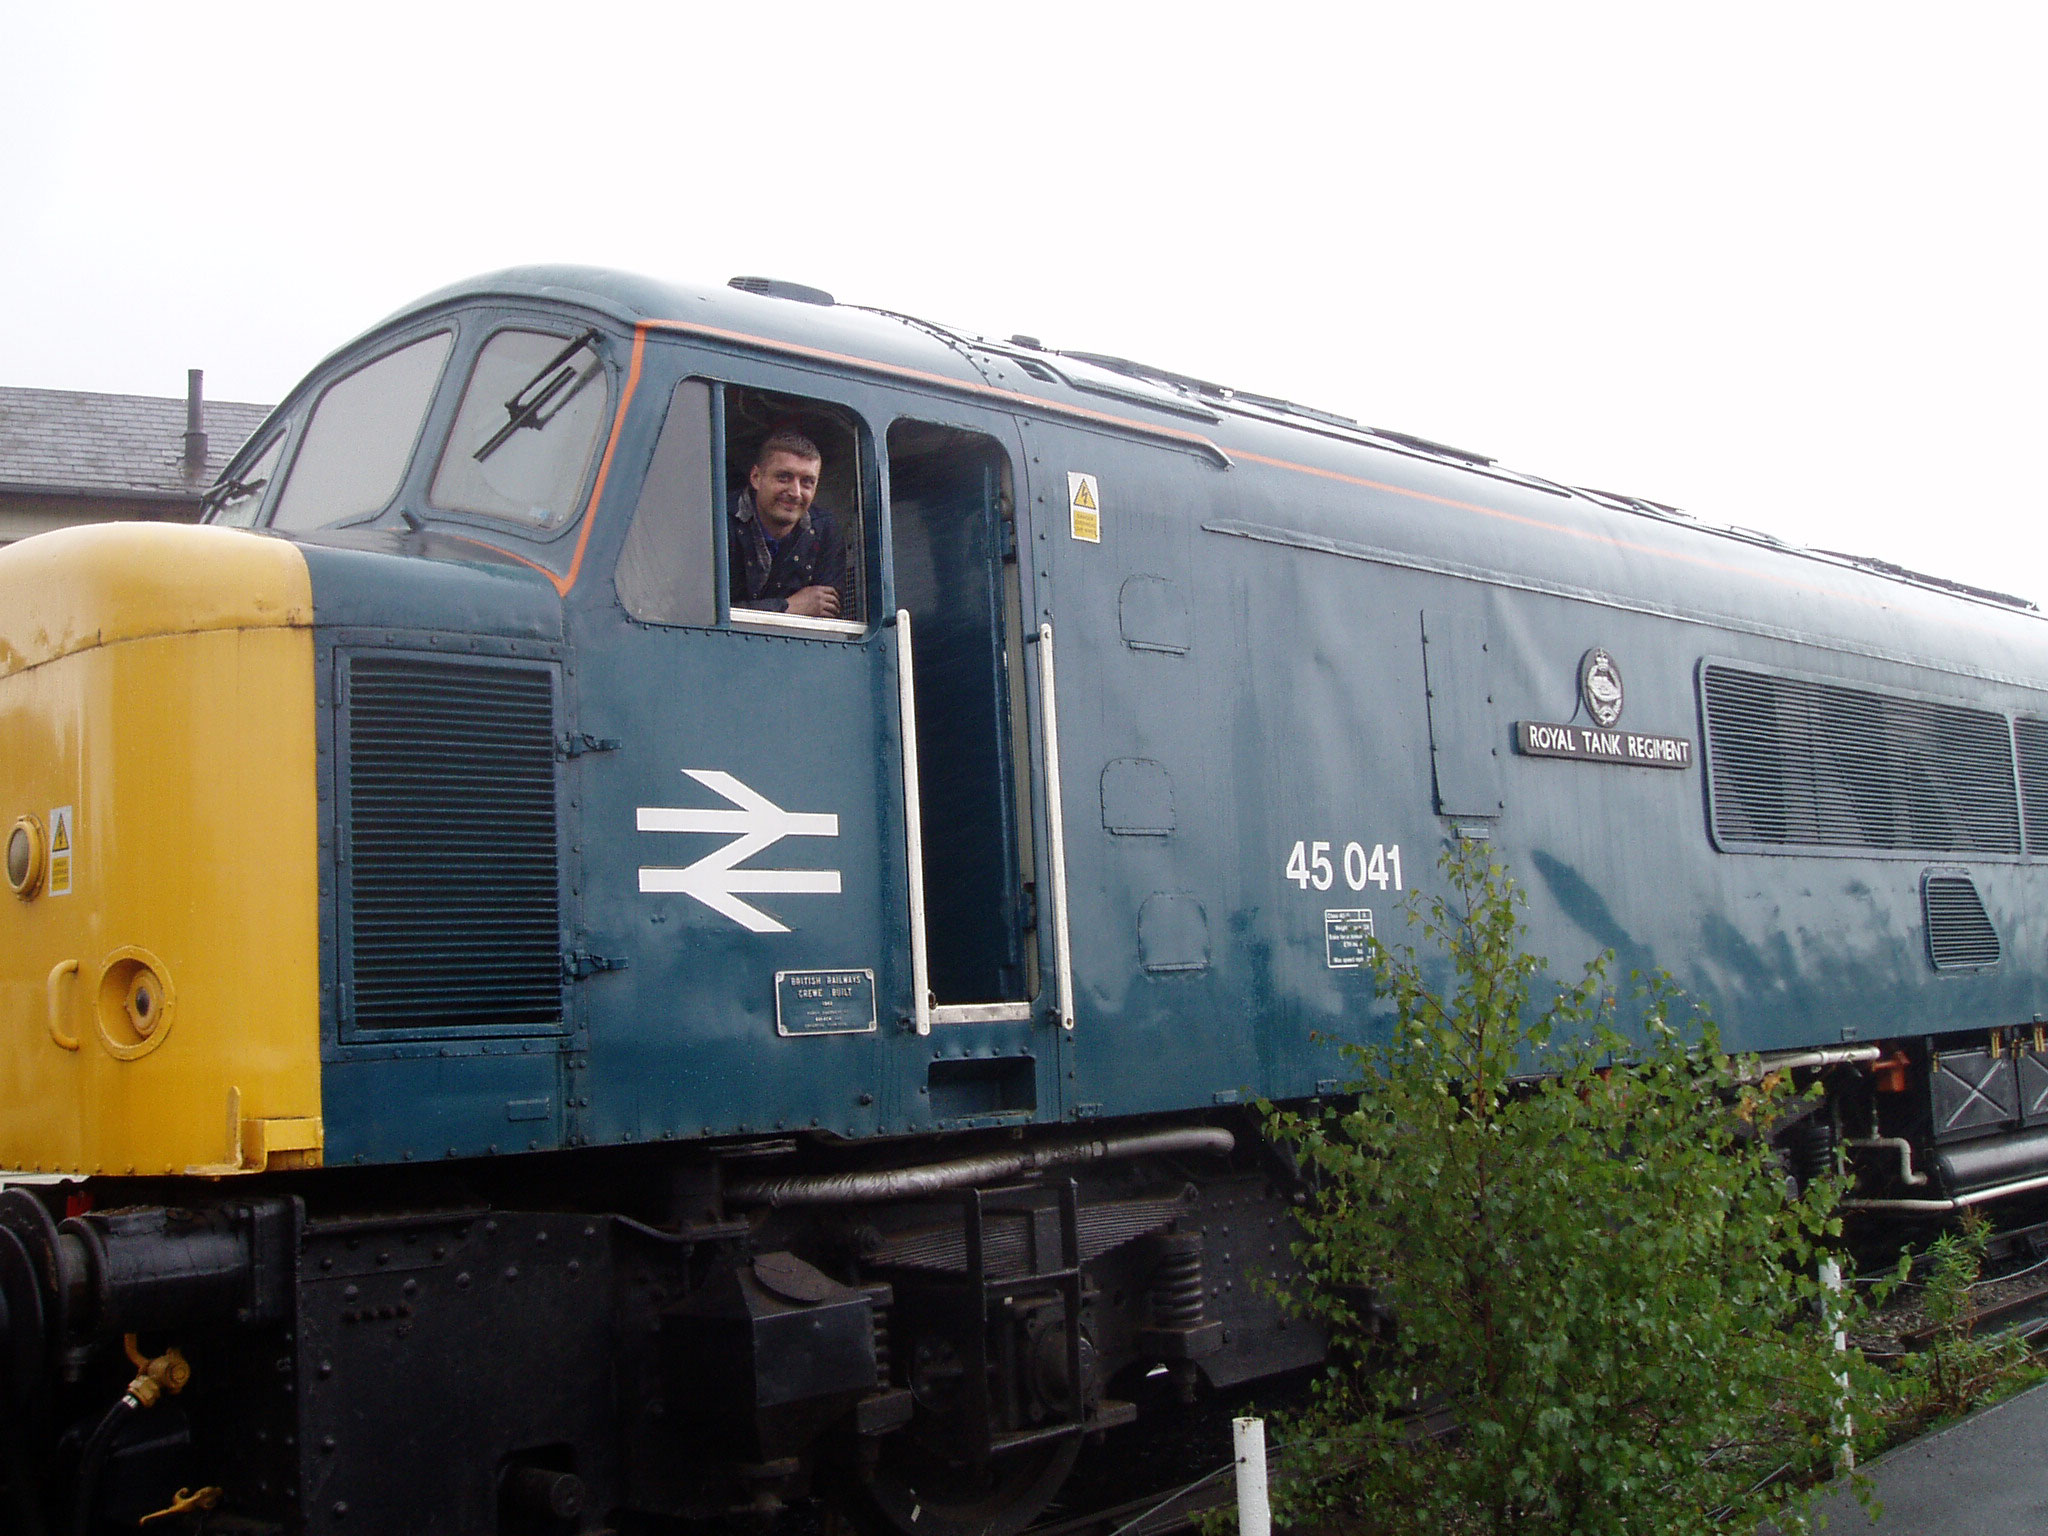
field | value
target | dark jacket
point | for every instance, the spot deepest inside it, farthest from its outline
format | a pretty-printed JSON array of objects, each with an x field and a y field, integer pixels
[{"x": 814, "y": 555}]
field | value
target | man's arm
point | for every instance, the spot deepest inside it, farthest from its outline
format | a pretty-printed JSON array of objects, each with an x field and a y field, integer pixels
[
  {"x": 834, "y": 574},
  {"x": 736, "y": 565},
  {"x": 827, "y": 597}
]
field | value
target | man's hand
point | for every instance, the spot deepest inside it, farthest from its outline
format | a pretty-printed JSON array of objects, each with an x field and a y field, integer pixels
[{"x": 815, "y": 602}]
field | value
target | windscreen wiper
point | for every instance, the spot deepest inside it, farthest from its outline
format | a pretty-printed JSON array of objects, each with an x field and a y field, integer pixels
[
  {"x": 230, "y": 490},
  {"x": 524, "y": 408}
]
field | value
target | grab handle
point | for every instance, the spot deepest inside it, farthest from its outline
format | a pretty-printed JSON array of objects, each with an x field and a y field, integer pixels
[{"x": 54, "y": 989}]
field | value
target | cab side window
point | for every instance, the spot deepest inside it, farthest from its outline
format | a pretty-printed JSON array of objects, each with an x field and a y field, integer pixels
[
  {"x": 666, "y": 573},
  {"x": 361, "y": 437},
  {"x": 529, "y": 426}
]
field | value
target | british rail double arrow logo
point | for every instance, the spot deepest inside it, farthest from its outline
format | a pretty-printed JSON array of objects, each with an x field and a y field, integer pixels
[{"x": 757, "y": 824}]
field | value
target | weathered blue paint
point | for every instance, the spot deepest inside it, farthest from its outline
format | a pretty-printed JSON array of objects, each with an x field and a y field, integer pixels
[{"x": 1310, "y": 636}]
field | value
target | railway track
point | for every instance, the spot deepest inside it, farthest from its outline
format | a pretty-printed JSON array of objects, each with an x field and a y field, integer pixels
[
  {"x": 2025, "y": 1313},
  {"x": 1152, "y": 1514},
  {"x": 2010, "y": 1297},
  {"x": 1188, "y": 1469}
]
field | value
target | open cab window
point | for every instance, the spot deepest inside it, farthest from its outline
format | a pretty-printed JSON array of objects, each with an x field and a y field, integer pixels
[
  {"x": 837, "y": 535},
  {"x": 669, "y": 569}
]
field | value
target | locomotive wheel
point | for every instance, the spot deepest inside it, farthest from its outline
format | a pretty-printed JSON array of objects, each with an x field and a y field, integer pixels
[
  {"x": 21, "y": 1322},
  {"x": 920, "y": 1495}
]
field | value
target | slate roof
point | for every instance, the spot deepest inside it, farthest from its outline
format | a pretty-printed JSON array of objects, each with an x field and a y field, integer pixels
[{"x": 70, "y": 443}]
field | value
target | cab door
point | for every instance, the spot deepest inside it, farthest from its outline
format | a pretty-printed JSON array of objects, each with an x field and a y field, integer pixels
[
  {"x": 977, "y": 897},
  {"x": 737, "y": 781}
]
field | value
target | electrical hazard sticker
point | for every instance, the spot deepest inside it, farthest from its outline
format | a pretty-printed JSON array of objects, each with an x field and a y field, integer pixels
[
  {"x": 1084, "y": 507},
  {"x": 60, "y": 851}
]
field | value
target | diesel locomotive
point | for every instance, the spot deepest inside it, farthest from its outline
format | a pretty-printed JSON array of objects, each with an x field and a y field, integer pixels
[{"x": 501, "y": 1039}]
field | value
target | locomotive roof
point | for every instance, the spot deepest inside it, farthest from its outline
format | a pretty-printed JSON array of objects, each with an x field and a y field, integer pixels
[{"x": 785, "y": 316}]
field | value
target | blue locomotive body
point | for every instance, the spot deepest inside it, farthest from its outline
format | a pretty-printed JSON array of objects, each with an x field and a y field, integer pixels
[
  {"x": 1293, "y": 656},
  {"x": 783, "y": 958}
]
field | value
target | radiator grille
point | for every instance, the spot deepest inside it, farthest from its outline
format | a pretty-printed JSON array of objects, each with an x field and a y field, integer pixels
[
  {"x": 1959, "y": 931},
  {"x": 2032, "y": 737},
  {"x": 1803, "y": 763},
  {"x": 454, "y": 907}
]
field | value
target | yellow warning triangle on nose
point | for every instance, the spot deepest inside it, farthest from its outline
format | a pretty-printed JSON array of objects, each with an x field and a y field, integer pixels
[
  {"x": 60, "y": 839},
  {"x": 1082, "y": 497}
]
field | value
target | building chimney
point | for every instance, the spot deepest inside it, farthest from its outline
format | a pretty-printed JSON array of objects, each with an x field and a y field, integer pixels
[{"x": 195, "y": 420}]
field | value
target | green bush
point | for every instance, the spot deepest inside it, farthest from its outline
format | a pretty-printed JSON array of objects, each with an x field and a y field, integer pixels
[
  {"x": 1959, "y": 1367},
  {"x": 1604, "y": 1312}
]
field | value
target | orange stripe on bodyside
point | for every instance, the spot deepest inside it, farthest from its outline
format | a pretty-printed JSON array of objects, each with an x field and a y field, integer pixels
[
  {"x": 509, "y": 554},
  {"x": 1035, "y": 403},
  {"x": 604, "y": 468},
  {"x": 944, "y": 381}
]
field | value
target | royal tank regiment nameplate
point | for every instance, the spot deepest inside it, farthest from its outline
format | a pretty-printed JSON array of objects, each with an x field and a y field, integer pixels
[
  {"x": 1590, "y": 744},
  {"x": 824, "y": 1002}
]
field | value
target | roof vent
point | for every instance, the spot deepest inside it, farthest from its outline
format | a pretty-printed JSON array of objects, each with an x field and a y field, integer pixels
[
  {"x": 1959, "y": 931},
  {"x": 775, "y": 288}
]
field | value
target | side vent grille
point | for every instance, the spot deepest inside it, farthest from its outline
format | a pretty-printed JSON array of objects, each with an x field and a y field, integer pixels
[
  {"x": 2032, "y": 737},
  {"x": 1959, "y": 931},
  {"x": 1795, "y": 762},
  {"x": 451, "y": 898}
]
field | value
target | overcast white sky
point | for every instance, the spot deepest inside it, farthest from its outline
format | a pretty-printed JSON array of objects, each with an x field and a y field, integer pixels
[{"x": 1780, "y": 264}]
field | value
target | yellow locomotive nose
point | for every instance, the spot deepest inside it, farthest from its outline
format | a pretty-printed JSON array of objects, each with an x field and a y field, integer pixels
[{"x": 159, "y": 966}]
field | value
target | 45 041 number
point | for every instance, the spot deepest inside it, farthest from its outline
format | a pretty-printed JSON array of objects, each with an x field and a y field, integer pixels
[{"x": 1310, "y": 864}]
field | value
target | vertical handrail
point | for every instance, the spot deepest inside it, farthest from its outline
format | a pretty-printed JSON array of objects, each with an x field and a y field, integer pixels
[
  {"x": 1055, "y": 828},
  {"x": 913, "y": 828}
]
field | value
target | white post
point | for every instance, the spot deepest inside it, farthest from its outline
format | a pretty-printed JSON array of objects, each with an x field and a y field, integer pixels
[
  {"x": 1248, "y": 1441},
  {"x": 1831, "y": 1282}
]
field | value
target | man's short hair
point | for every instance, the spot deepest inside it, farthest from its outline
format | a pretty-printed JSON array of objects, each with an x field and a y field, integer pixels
[{"x": 785, "y": 440}]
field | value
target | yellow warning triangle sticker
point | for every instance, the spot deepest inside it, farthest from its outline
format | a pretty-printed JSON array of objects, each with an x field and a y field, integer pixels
[
  {"x": 1082, "y": 498},
  {"x": 60, "y": 840}
]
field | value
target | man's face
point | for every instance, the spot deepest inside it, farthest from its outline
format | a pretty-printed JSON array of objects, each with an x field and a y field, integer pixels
[{"x": 783, "y": 487}]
